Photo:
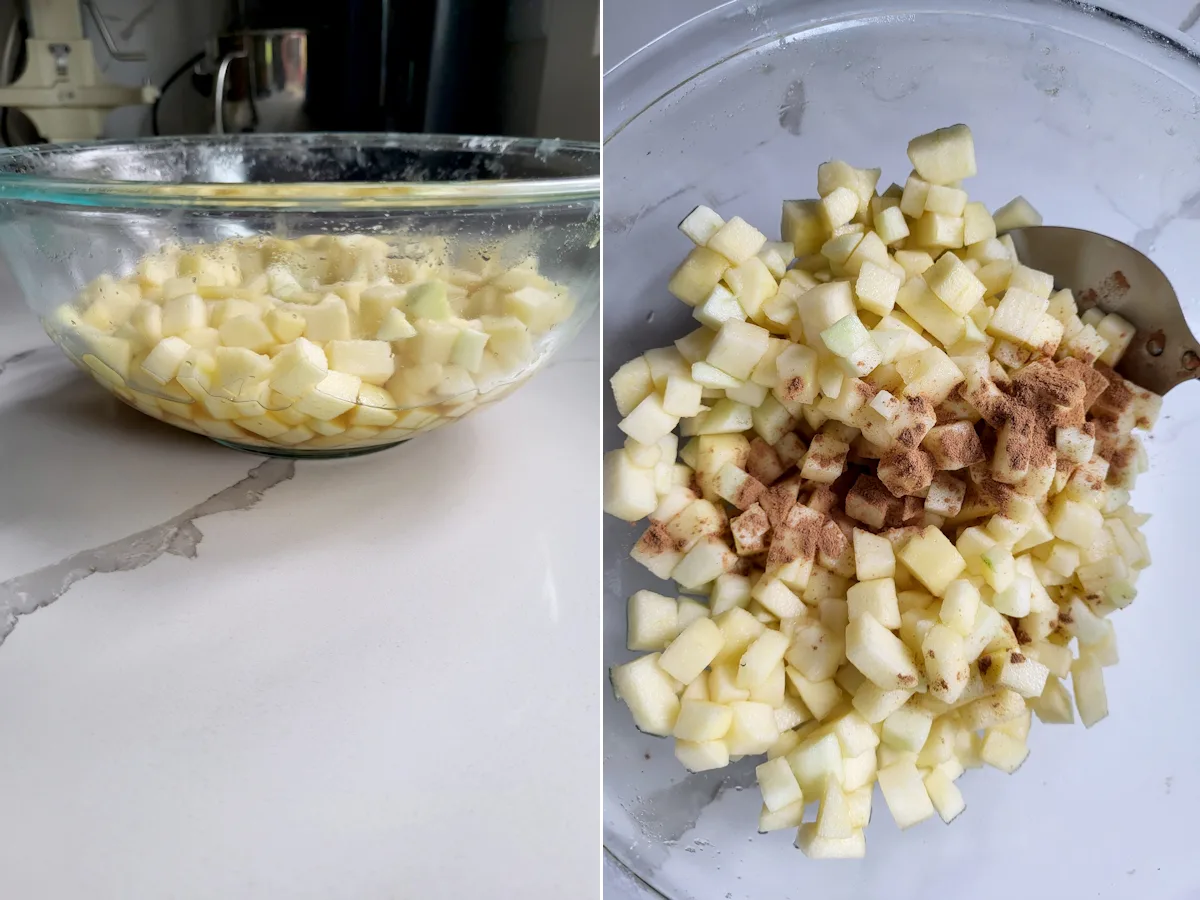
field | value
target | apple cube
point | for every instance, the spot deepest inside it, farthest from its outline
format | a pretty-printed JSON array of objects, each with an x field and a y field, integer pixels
[
  {"x": 702, "y": 757},
  {"x": 873, "y": 556},
  {"x": 1119, "y": 333},
  {"x": 372, "y": 361},
  {"x": 959, "y": 606},
  {"x": 933, "y": 560},
  {"x": 726, "y": 417},
  {"x": 628, "y": 489},
  {"x": 692, "y": 650},
  {"x": 698, "y": 274},
  {"x": 930, "y": 374},
  {"x": 816, "y": 762},
  {"x": 649, "y": 421},
  {"x": 649, "y": 693},
  {"x": 1015, "y": 671},
  {"x": 875, "y": 704},
  {"x": 788, "y": 817},
  {"x": 163, "y": 362},
  {"x": 915, "y": 299},
  {"x": 719, "y": 307},
  {"x": 653, "y": 621},
  {"x": 1017, "y": 316},
  {"x": 1016, "y": 213},
  {"x": 907, "y": 728},
  {"x": 736, "y": 240},
  {"x": 944, "y": 156},
  {"x": 817, "y": 650},
  {"x": 753, "y": 729},
  {"x": 704, "y": 562},
  {"x": 701, "y": 224},
  {"x": 879, "y": 654},
  {"x": 631, "y": 384},
  {"x": 954, "y": 284},
  {"x": 947, "y": 668},
  {"x": 752, "y": 284},
  {"x": 803, "y": 226},
  {"x": 891, "y": 226},
  {"x": 833, "y": 814},
  {"x": 947, "y": 799},
  {"x": 1040, "y": 284},
  {"x": 991, "y": 710},
  {"x": 876, "y": 597},
  {"x": 689, "y": 611},
  {"x": 905, "y": 794},
  {"x": 1087, "y": 678},
  {"x": 182, "y": 314},
  {"x": 824, "y": 305},
  {"x": 825, "y": 460},
  {"x": 838, "y": 207},
  {"x": 1077, "y": 523},
  {"x": 953, "y": 446},
  {"x": 978, "y": 224},
  {"x": 738, "y": 348},
  {"x": 1002, "y": 751},
  {"x": 1054, "y": 705},
  {"x": 778, "y": 784},
  {"x": 855, "y": 734},
  {"x": 774, "y": 596},
  {"x": 938, "y": 231},
  {"x": 820, "y": 697},
  {"x": 701, "y": 720},
  {"x": 761, "y": 658}
]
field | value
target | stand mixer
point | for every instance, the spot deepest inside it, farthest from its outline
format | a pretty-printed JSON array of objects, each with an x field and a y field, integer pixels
[{"x": 61, "y": 90}]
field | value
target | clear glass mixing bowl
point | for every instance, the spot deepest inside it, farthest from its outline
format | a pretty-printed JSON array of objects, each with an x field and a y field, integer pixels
[
  {"x": 1096, "y": 120},
  {"x": 484, "y": 253}
]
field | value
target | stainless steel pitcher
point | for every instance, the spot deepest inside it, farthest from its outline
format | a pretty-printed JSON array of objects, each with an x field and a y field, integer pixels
[{"x": 261, "y": 81}]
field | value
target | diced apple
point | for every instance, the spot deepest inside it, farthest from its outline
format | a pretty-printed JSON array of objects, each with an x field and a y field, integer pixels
[
  {"x": 877, "y": 597},
  {"x": 629, "y": 491},
  {"x": 702, "y": 757},
  {"x": 778, "y": 784},
  {"x": 933, "y": 560},
  {"x": 701, "y": 224},
  {"x": 1016, "y": 213},
  {"x": 736, "y": 240},
  {"x": 653, "y": 621},
  {"x": 698, "y": 274},
  {"x": 649, "y": 693},
  {"x": 879, "y": 654},
  {"x": 905, "y": 794},
  {"x": 1087, "y": 678}
]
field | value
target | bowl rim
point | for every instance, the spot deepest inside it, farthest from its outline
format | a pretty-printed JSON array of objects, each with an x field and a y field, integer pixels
[
  {"x": 17, "y": 183},
  {"x": 651, "y": 84}
]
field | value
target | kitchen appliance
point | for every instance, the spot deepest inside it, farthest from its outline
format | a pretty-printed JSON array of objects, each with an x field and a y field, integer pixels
[
  {"x": 60, "y": 89},
  {"x": 261, "y": 81}
]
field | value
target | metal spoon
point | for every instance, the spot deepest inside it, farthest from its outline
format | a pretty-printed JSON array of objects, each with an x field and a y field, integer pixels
[{"x": 1117, "y": 278}]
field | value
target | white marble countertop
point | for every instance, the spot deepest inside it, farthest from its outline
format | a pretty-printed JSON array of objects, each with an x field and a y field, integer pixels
[{"x": 235, "y": 677}]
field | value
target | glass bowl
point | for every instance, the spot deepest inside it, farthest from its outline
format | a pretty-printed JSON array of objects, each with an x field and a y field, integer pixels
[
  {"x": 1095, "y": 119},
  {"x": 306, "y": 295}
]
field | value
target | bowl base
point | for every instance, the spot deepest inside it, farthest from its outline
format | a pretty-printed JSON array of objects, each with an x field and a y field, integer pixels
[{"x": 284, "y": 453}]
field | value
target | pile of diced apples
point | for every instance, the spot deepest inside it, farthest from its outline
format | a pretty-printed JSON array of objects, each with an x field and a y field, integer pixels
[
  {"x": 853, "y": 622},
  {"x": 325, "y": 342}
]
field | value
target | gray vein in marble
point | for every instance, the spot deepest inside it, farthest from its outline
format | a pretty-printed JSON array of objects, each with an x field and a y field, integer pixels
[
  {"x": 16, "y": 358},
  {"x": 179, "y": 536},
  {"x": 1190, "y": 20},
  {"x": 1189, "y": 208}
]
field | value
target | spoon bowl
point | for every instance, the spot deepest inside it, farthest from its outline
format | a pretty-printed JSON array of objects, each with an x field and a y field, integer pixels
[{"x": 1115, "y": 277}]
